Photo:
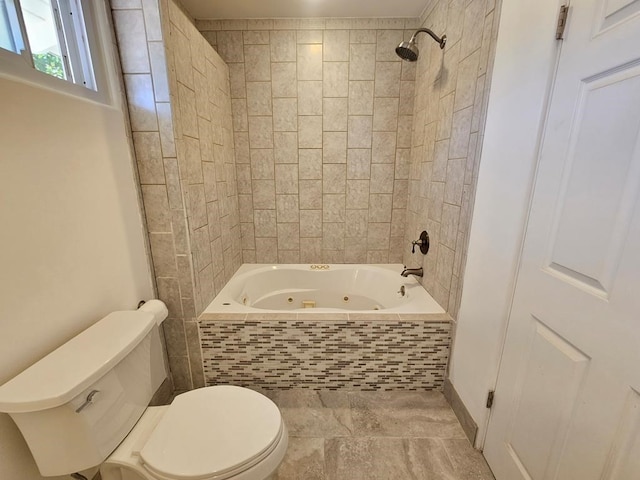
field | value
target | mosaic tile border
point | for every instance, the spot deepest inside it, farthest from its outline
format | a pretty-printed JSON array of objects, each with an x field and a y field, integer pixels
[{"x": 363, "y": 354}]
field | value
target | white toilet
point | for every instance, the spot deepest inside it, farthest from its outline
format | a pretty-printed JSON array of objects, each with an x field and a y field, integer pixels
[{"x": 85, "y": 404}]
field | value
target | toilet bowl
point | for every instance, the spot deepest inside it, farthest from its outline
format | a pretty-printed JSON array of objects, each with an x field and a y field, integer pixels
[
  {"x": 221, "y": 432},
  {"x": 86, "y": 405}
]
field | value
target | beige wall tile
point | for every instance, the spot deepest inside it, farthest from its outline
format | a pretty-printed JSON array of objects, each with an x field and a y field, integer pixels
[
  {"x": 335, "y": 114},
  {"x": 230, "y": 46},
  {"x": 378, "y": 236},
  {"x": 265, "y": 223},
  {"x": 283, "y": 46},
  {"x": 264, "y": 194},
  {"x": 336, "y": 79},
  {"x": 259, "y": 98},
  {"x": 283, "y": 80},
  {"x": 310, "y": 223},
  {"x": 188, "y": 112},
  {"x": 385, "y": 114},
  {"x": 310, "y": 164},
  {"x": 333, "y": 208},
  {"x": 336, "y": 46},
  {"x": 288, "y": 236},
  {"x": 255, "y": 37},
  {"x": 237, "y": 80},
  {"x": 149, "y": 157},
  {"x": 262, "y": 164},
  {"x": 383, "y": 147},
  {"x": 357, "y": 194},
  {"x": 142, "y": 109},
  {"x": 310, "y": 194},
  {"x": 156, "y": 205},
  {"x": 285, "y": 115},
  {"x": 359, "y": 131},
  {"x": 130, "y": 29},
  {"x": 362, "y": 61},
  {"x": 260, "y": 132},
  {"x": 332, "y": 237},
  {"x": 310, "y": 131},
  {"x": 387, "y": 82},
  {"x": 362, "y": 36},
  {"x": 267, "y": 250},
  {"x": 361, "y": 97},
  {"x": 257, "y": 64},
  {"x": 287, "y": 208},
  {"x": 334, "y": 147},
  {"x": 359, "y": 163},
  {"x": 386, "y": 42},
  {"x": 285, "y": 147},
  {"x": 466, "y": 84},
  {"x": 286, "y": 179},
  {"x": 380, "y": 206},
  {"x": 309, "y": 60},
  {"x": 310, "y": 97},
  {"x": 309, "y": 36},
  {"x": 382, "y": 177},
  {"x": 334, "y": 178}
]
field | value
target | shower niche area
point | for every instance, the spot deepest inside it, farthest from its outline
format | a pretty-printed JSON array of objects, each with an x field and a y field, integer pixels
[{"x": 302, "y": 141}]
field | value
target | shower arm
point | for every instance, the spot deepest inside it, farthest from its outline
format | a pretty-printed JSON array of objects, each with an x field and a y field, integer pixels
[{"x": 441, "y": 41}]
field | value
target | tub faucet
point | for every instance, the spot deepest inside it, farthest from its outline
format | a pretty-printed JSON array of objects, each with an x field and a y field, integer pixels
[{"x": 411, "y": 271}]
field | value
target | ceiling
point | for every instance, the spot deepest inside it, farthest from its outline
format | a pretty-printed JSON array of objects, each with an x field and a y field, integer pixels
[{"x": 227, "y": 9}]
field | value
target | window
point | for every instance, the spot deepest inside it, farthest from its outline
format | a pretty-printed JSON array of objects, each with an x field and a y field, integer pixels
[{"x": 50, "y": 35}]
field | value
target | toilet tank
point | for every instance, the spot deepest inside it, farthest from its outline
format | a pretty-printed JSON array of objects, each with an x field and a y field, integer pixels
[{"x": 78, "y": 403}]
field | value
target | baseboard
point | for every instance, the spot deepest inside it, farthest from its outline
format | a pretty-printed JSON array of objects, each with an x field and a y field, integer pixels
[{"x": 468, "y": 424}]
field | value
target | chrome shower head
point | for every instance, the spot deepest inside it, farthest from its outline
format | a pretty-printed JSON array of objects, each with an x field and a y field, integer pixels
[{"x": 409, "y": 50}]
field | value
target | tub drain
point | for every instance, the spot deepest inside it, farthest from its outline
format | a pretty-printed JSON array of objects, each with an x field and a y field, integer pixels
[
  {"x": 345, "y": 299},
  {"x": 290, "y": 300}
]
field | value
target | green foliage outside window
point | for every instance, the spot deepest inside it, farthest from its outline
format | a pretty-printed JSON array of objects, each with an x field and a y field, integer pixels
[{"x": 49, "y": 63}]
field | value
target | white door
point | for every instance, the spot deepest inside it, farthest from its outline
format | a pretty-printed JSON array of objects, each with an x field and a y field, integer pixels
[{"x": 567, "y": 403}]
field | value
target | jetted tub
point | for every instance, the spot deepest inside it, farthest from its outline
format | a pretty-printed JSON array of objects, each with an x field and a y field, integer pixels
[{"x": 257, "y": 288}]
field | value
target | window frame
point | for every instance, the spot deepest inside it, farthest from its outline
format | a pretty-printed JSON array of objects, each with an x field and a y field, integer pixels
[{"x": 97, "y": 67}]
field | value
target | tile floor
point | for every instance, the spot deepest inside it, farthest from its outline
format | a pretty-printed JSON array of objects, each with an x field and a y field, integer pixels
[{"x": 335, "y": 435}]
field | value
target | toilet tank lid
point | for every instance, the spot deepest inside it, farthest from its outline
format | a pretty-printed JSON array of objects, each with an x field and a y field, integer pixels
[{"x": 67, "y": 371}]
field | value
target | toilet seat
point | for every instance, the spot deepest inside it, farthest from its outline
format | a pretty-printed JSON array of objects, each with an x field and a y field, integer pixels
[{"x": 212, "y": 433}]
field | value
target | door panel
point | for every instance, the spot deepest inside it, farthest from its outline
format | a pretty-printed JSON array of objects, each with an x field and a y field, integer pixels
[
  {"x": 593, "y": 210},
  {"x": 622, "y": 461},
  {"x": 566, "y": 402},
  {"x": 538, "y": 430},
  {"x": 616, "y": 11}
]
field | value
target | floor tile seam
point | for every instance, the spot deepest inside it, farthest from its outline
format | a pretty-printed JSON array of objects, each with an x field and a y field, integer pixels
[{"x": 454, "y": 464}]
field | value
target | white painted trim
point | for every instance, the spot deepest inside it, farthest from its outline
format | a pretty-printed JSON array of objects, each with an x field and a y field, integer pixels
[
  {"x": 14, "y": 66},
  {"x": 520, "y": 89}
]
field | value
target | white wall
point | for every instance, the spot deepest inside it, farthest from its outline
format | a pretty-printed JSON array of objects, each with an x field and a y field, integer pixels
[
  {"x": 524, "y": 65},
  {"x": 71, "y": 235}
]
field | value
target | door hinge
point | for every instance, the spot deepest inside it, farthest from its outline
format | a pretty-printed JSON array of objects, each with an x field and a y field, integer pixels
[
  {"x": 490, "y": 399},
  {"x": 562, "y": 21}
]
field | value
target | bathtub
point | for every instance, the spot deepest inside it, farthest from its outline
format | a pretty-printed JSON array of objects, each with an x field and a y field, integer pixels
[
  {"x": 324, "y": 327},
  {"x": 322, "y": 288}
]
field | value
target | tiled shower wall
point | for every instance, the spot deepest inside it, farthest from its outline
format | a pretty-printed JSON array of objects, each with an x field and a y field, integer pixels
[
  {"x": 449, "y": 117},
  {"x": 199, "y": 86},
  {"x": 178, "y": 97},
  {"x": 322, "y": 115}
]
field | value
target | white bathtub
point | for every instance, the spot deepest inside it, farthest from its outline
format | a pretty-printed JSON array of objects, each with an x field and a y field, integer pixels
[{"x": 259, "y": 288}]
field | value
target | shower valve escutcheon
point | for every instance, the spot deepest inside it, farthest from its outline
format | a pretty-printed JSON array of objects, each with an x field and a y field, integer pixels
[{"x": 422, "y": 242}]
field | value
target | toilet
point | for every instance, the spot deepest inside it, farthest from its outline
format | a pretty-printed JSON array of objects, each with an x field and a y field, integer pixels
[{"x": 86, "y": 405}]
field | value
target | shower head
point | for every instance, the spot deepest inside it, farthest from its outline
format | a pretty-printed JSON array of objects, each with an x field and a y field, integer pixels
[{"x": 409, "y": 50}]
